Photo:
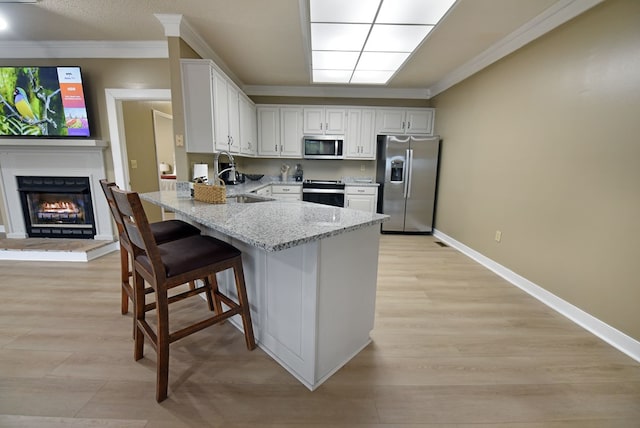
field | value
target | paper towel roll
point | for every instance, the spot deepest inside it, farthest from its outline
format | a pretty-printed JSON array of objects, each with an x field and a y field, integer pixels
[{"x": 201, "y": 170}]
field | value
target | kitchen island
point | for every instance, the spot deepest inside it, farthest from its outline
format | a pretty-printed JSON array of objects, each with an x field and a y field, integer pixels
[{"x": 310, "y": 271}]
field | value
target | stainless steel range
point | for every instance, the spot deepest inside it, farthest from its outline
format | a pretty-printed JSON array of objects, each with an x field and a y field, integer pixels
[{"x": 327, "y": 192}]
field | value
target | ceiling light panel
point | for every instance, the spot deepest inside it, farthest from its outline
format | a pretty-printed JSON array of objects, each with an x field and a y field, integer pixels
[
  {"x": 413, "y": 11},
  {"x": 354, "y": 11},
  {"x": 332, "y": 60},
  {"x": 396, "y": 38},
  {"x": 378, "y": 61},
  {"x": 371, "y": 77},
  {"x": 338, "y": 37},
  {"x": 331, "y": 76}
]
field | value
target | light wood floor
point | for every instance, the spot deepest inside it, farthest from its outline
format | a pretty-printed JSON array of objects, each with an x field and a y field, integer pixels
[{"x": 453, "y": 346}]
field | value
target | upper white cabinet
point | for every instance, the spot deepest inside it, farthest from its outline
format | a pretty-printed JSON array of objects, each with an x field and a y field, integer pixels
[
  {"x": 226, "y": 107},
  {"x": 360, "y": 136},
  {"x": 280, "y": 131},
  {"x": 212, "y": 109},
  {"x": 405, "y": 121},
  {"x": 197, "y": 94},
  {"x": 248, "y": 127},
  {"x": 321, "y": 120}
]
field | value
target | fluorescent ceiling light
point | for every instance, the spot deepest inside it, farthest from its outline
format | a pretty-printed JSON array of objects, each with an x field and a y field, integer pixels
[
  {"x": 338, "y": 37},
  {"x": 396, "y": 38},
  {"x": 3, "y": 24},
  {"x": 332, "y": 76},
  {"x": 368, "y": 41},
  {"x": 344, "y": 11},
  {"x": 333, "y": 60},
  {"x": 371, "y": 77},
  {"x": 412, "y": 12},
  {"x": 382, "y": 60}
]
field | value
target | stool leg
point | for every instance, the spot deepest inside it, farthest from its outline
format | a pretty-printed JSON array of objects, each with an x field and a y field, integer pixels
[
  {"x": 139, "y": 315},
  {"x": 213, "y": 281},
  {"x": 162, "y": 309},
  {"x": 244, "y": 303},
  {"x": 124, "y": 280}
]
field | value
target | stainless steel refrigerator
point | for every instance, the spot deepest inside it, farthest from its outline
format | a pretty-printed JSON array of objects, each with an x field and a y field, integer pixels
[{"x": 407, "y": 170}]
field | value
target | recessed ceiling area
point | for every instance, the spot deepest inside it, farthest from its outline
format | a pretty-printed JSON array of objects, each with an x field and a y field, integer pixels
[{"x": 265, "y": 44}]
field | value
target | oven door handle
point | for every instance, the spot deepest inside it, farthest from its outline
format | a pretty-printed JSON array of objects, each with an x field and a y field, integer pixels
[{"x": 334, "y": 191}]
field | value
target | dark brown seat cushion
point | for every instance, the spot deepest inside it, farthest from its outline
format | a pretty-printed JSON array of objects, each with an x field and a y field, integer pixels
[
  {"x": 193, "y": 252},
  {"x": 170, "y": 230}
]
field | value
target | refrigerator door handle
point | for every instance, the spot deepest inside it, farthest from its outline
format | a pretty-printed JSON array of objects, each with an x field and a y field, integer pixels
[
  {"x": 409, "y": 171},
  {"x": 406, "y": 172}
]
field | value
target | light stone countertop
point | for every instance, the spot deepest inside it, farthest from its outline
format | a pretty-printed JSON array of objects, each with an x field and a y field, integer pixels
[{"x": 271, "y": 225}]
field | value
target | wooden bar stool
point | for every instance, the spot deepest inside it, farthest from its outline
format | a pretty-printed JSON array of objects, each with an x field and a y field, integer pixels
[
  {"x": 163, "y": 231},
  {"x": 168, "y": 266}
]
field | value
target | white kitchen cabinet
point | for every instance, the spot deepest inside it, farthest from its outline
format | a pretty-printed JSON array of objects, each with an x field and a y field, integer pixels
[
  {"x": 280, "y": 131},
  {"x": 321, "y": 120},
  {"x": 405, "y": 121},
  {"x": 268, "y": 131},
  {"x": 197, "y": 94},
  {"x": 291, "y": 132},
  {"x": 248, "y": 127},
  {"x": 286, "y": 192},
  {"x": 360, "y": 136},
  {"x": 211, "y": 108},
  {"x": 362, "y": 198},
  {"x": 226, "y": 107}
]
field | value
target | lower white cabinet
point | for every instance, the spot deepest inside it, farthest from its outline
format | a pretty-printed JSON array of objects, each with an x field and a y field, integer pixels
[
  {"x": 285, "y": 192},
  {"x": 363, "y": 198}
]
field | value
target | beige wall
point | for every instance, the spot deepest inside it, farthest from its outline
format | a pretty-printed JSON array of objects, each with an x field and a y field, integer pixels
[{"x": 544, "y": 147}]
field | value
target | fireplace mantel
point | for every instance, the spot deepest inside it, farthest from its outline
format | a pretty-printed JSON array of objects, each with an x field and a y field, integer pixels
[
  {"x": 53, "y": 157},
  {"x": 37, "y": 143}
]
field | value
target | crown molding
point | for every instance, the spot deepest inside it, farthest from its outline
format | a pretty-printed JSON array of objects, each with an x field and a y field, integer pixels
[
  {"x": 553, "y": 17},
  {"x": 84, "y": 49},
  {"x": 336, "y": 92}
]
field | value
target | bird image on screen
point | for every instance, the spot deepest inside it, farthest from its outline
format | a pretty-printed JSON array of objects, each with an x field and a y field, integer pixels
[{"x": 42, "y": 102}]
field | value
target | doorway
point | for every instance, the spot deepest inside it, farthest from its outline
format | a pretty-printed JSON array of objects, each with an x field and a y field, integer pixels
[{"x": 115, "y": 99}]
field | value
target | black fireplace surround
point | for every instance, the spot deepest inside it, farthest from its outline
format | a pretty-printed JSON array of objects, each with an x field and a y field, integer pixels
[{"x": 57, "y": 207}]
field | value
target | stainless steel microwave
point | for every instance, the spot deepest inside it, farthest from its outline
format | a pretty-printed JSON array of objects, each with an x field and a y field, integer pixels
[{"x": 323, "y": 147}]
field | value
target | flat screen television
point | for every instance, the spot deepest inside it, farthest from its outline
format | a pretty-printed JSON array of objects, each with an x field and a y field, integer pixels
[{"x": 42, "y": 102}]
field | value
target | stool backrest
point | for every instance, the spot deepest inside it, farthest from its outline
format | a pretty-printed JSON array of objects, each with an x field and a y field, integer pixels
[
  {"x": 137, "y": 229},
  {"x": 106, "y": 188}
]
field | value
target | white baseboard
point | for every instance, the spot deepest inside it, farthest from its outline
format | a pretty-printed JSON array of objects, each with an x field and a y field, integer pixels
[{"x": 612, "y": 336}]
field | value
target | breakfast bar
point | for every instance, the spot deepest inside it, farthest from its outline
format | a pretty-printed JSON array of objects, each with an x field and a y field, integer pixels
[{"x": 310, "y": 270}]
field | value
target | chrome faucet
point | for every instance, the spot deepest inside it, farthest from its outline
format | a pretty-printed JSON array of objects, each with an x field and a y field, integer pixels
[{"x": 232, "y": 165}]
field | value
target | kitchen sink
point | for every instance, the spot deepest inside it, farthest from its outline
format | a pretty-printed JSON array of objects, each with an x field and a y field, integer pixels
[{"x": 247, "y": 199}]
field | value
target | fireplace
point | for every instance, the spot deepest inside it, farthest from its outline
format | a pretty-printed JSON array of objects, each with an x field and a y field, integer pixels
[{"x": 57, "y": 207}]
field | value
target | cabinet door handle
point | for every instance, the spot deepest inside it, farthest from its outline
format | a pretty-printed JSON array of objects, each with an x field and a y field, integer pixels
[
  {"x": 275, "y": 149},
  {"x": 408, "y": 125},
  {"x": 326, "y": 126},
  {"x": 321, "y": 126},
  {"x": 281, "y": 148}
]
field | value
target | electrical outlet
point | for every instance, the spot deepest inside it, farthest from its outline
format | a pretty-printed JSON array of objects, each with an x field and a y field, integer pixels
[
  {"x": 498, "y": 236},
  {"x": 134, "y": 164},
  {"x": 179, "y": 140}
]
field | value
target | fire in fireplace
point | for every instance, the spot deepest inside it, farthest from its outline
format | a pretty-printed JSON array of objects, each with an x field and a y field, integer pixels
[{"x": 57, "y": 207}]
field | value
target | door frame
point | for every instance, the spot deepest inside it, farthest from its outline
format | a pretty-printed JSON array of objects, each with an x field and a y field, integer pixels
[{"x": 114, "y": 98}]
